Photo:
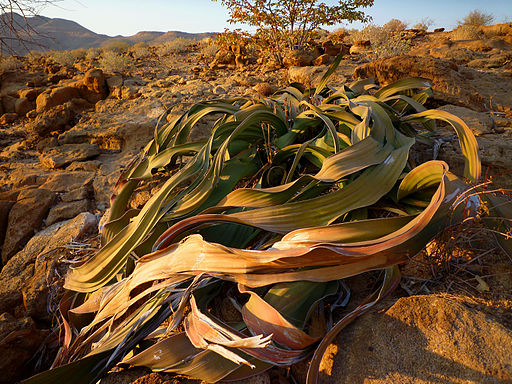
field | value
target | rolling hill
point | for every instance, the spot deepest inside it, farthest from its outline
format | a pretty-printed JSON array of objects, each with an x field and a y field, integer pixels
[{"x": 43, "y": 33}]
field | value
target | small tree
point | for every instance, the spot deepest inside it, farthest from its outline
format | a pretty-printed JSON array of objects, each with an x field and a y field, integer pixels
[
  {"x": 477, "y": 18},
  {"x": 289, "y": 24}
]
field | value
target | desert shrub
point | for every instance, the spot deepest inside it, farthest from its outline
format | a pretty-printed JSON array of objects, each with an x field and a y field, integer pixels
[
  {"x": 65, "y": 58},
  {"x": 34, "y": 56},
  {"x": 112, "y": 61},
  {"x": 9, "y": 63},
  {"x": 178, "y": 45},
  {"x": 208, "y": 48},
  {"x": 477, "y": 18},
  {"x": 466, "y": 32},
  {"x": 338, "y": 35},
  {"x": 394, "y": 25},
  {"x": 384, "y": 43},
  {"x": 116, "y": 45},
  {"x": 141, "y": 50},
  {"x": 93, "y": 53},
  {"x": 424, "y": 24},
  {"x": 79, "y": 53}
]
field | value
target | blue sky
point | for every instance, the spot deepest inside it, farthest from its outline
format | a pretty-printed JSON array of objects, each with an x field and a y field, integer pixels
[{"x": 127, "y": 17}]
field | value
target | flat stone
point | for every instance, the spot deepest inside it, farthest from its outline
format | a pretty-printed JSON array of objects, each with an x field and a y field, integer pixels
[
  {"x": 421, "y": 339},
  {"x": 67, "y": 181},
  {"x": 66, "y": 210},
  {"x": 64, "y": 155}
]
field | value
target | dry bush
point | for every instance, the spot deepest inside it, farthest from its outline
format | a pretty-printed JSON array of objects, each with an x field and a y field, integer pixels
[
  {"x": 141, "y": 50},
  {"x": 34, "y": 56},
  {"x": 394, "y": 25},
  {"x": 208, "y": 48},
  {"x": 93, "y": 53},
  {"x": 116, "y": 46},
  {"x": 178, "y": 45},
  {"x": 79, "y": 53},
  {"x": 111, "y": 61},
  {"x": 424, "y": 24},
  {"x": 9, "y": 63},
  {"x": 65, "y": 58},
  {"x": 477, "y": 18},
  {"x": 384, "y": 43},
  {"x": 466, "y": 32}
]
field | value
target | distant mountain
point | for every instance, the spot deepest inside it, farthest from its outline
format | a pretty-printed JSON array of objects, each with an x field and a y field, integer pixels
[{"x": 44, "y": 33}]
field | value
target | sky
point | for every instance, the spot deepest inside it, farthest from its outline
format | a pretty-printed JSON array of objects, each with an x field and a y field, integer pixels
[{"x": 127, "y": 17}]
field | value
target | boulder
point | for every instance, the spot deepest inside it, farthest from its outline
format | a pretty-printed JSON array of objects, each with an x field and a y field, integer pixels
[
  {"x": 422, "y": 339},
  {"x": 322, "y": 60},
  {"x": 56, "y": 119},
  {"x": 297, "y": 58},
  {"x": 67, "y": 210},
  {"x": 54, "y": 97},
  {"x": 93, "y": 87},
  {"x": 30, "y": 93},
  {"x": 23, "y": 106},
  {"x": 65, "y": 181},
  {"x": 63, "y": 155},
  {"x": 360, "y": 46},
  {"x": 25, "y": 217}
]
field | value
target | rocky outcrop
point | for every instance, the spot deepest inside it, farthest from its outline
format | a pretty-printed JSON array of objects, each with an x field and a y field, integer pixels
[{"x": 451, "y": 84}]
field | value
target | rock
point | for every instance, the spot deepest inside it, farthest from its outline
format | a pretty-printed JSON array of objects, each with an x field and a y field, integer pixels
[
  {"x": 5, "y": 208},
  {"x": 361, "y": 46},
  {"x": 264, "y": 89},
  {"x": 25, "y": 217},
  {"x": 84, "y": 192},
  {"x": 63, "y": 155},
  {"x": 53, "y": 120},
  {"x": 421, "y": 339},
  {"x": 16, "y": 274},
  {"x": 297, "y": 58},
  {"x": 322, "y": 60},
  {"x": 330, "y": 49},
  {"x": 218, "y": 90},
  {"x": 30, "y": 93},
  {"x": 19, "y": 341},
  {"x": 8, "y": 104},
  {"x": 480, "y": 123},
  {"x": 8, "y": 118},
  {"x": 115, "y": 81},
  {"x": 93, "y": 86},
  {"x": 68, "y": 181},
  {"x": 54, "y": 97},
  {"x": 66, "y": 210},
  {"x": 310, "y": 76},
  {"x": 23, "y": 106},
  {"x": 224, "y": 56},
  {"x": 438, "y": 30},
  {"x": 451, "y": 84}
]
